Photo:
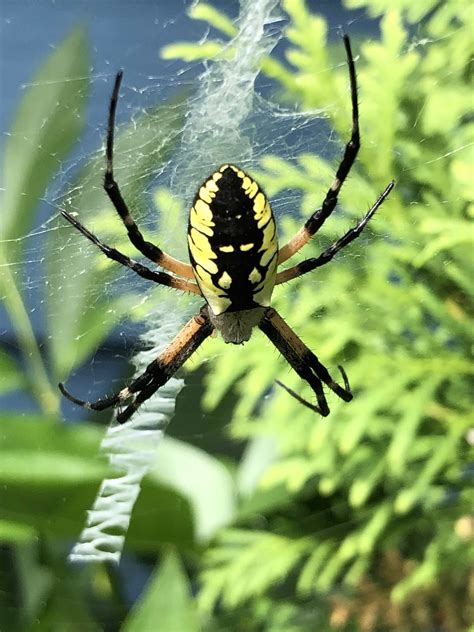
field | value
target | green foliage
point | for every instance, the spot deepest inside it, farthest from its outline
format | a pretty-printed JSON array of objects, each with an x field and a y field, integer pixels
[
  {"x": 45, "y": 128},
  {"x": 65, "y": 470},
  {"x": 389, "y": 470},
  {"x": 357, "y": 520},
  {"x": 51, "y": 472},
  {"x": 167, "y": 603},
  {"x": 46, "y": 125}
]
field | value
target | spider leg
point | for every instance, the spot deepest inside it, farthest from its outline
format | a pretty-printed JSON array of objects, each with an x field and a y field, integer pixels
[
  {"x": 301, "y": 400},
  {"x": 303, "y": 361},
  {"x": 157, "y": 372},
  {"x": 112, "y": 253},
  {"x": 137, "y": 401},
  {"x": 310, "y": 264},
  {"x": 318, "y": 218},
  {"x": 111, "y": 187}
]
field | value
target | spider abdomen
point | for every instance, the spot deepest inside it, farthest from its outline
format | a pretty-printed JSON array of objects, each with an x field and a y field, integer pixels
[{"x": 233, "y": 245}]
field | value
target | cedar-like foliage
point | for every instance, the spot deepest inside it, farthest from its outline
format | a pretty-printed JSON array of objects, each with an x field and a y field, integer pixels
[
  {"x": 365, "y": 511},
  {"x": 361, "y": 521}
]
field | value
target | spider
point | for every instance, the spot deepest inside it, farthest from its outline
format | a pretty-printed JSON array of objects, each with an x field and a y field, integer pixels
[{"x": 234, "y": 260}]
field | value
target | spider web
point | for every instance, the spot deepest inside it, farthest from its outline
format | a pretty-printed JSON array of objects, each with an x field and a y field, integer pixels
[
  {"x": 213, "y": 122},
  {"x": 177, "y": 122},
  {"x": 230, "y": 116}
]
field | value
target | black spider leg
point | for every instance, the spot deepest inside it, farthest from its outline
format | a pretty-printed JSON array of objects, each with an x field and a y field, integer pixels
[
  {"x": 166, "y": 365},
  {"x": 303, "y": 401},
  {"x": 315, "y": 262},
  {"x": 111, "y": 187},
  {"x": 112, "y": 253},
  {"x": 342, "y": 242},
  {"x": 303, "y": 361},
  {"x": 157, "y": 372},
  {"x": 318, "y": 218}
]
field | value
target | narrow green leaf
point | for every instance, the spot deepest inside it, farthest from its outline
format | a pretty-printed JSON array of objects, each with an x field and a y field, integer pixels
[
  {"x": 50, "y": 474},
  {"x": 374, "y": 527},
  {"x": 11, "y": 377},
  {"x": 314, "y": 565},
  {"x": 212, "y": 16},
  {"x": 405, "y": 433},
  {"x": 34, "y": 578},
  {"x": 47, "y": 124},
  {"x": 200, "y": 478},
  {"x": 16, "y": 532},
  {"x": 167, "y": 605},
  {"x": 260, "y": 453},
  {"x": 192, "y": 52}
]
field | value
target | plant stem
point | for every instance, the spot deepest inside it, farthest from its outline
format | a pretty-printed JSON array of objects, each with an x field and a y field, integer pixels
[{"x": 41, "y": 387}]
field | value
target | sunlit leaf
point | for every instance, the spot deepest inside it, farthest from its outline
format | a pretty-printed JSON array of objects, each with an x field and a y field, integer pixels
[
  {"x": 11, "y": 376},
  {"x": 47, "y": 124},
  {"x": 50, "y": 474},
  {"x": 167, "y": 603}
]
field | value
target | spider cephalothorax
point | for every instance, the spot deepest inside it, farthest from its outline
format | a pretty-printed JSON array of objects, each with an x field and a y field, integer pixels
[{"x": 234, "y": 255}]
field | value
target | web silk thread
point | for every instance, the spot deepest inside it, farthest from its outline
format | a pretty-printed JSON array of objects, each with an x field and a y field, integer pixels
[{"x": 212, "y": 132}]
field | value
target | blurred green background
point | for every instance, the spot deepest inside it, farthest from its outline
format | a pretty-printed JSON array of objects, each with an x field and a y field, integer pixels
[{"x": 361, "y": 521}]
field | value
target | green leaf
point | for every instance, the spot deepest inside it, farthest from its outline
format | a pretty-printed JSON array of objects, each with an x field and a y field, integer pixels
[
  {"x": 35, "y": 579},
  {"x": 200, "y": 478},
  {"x": 414, "y": 11},
  {"x": 212, "y": 16},
  {"x": 11, "y": 377},
  {"x": 260, "y": 453},
  {"x": 50, "y": 474},
  {"x": 246, "y": 563},
  {"x": 192, "y": 52},
  {"x": 16, "y": 532},
  {"x": 167, "y": 605},
  {"x": 67, "y": 607},
  {"x": 47, "y": 124}
]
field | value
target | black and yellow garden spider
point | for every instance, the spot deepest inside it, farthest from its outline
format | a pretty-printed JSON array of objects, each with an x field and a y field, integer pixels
[{"x": 234, "y": 255}]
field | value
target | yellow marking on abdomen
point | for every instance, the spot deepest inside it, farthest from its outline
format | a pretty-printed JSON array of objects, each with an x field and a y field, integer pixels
[
  {"x": 202, "y": 242},
  {"x": 267, "y": 256},
  {"x": 203, "y": 210},
  {"x": 212, "y": 186},
  {"x": 268, "y": 237},
  {"x": 255, "y": 276},
  {"x": 263, "y": 296},
  {"x": 259, "y": 205},
  {"x": 203, "y": 258},
  {"x": 216, "y": 300},
  {"x": 204, "y": 277},
  {"x": 245, "y": 247},
  {"x": 252, "y": 190},
  {"x": 196, "y": 223},
  {"x": 246, "y": 183},
  {"x": 225, "y": 281},
  {"x": 226, "y": 248},
  {"x": 269, "y": 243},
  {"x": 205, "y": 195},
  {"x": 265, "y": 216}
]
